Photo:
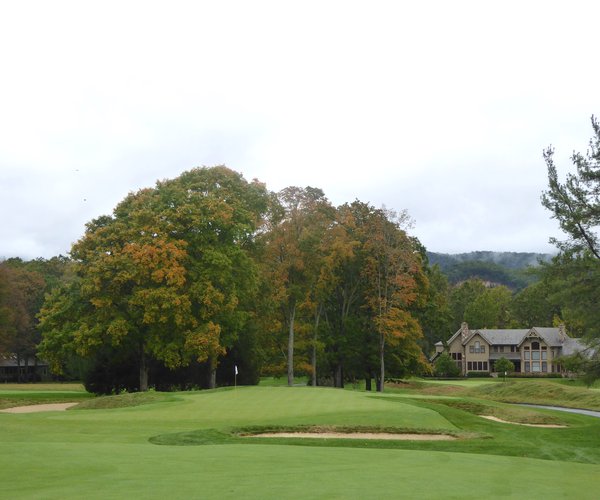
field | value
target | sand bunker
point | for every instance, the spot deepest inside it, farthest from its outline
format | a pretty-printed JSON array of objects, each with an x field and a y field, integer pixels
[
  {"x": 38, "y": 408},
  {"x": 547, "y": 426},
  {"x": 357, "y": 435}
]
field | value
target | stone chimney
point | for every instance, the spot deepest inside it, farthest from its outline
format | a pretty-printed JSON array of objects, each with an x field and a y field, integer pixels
[
  {"x": 562, "y": 334},
  {"x": 464, "y": 331}
]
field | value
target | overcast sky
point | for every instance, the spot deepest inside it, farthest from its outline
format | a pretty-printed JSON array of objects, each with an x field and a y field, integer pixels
[{"x": 440, "y": 108}]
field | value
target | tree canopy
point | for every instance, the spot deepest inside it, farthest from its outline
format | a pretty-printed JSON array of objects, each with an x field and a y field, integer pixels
[{"x": 167, "y": 276}]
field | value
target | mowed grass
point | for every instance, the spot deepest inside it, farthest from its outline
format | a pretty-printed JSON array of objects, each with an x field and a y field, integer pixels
[{"x": 108, "y": 452}]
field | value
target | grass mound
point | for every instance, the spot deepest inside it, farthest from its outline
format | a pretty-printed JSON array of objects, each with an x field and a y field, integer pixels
[
  {"x": 193, "y": 438},
  {"x": 125, "y": 400},
  {"x": 539, "y": 392},
  {"x": 510, "y": 414}
]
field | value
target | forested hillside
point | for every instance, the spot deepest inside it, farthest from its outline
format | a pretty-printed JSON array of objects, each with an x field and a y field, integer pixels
[{"x": 511, "y": 269}]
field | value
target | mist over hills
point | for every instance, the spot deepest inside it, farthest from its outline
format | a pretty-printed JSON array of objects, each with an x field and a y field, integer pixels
[{"x": 512, "y": 269}]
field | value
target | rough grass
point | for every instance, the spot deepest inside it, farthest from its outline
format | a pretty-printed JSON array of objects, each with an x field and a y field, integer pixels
[
  {"x": 510, "y": 414},
  {"x": 539, "y": 392},
  {"x": 125, "y": 400}
]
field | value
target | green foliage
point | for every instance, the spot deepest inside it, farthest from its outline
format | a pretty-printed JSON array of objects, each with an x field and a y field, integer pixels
[
  {"x": 504, "y": 365},
  {"x": 574, "y": 275},
  {"x": 575, "y": 203},
  {"x": 534, "y": 306},
  {"x": 445, "y": 366},
  {"x": 584, "y": 364},
  {"x": 434, "y": 312},
  {"x": 490, "y": 309},
  {"x": 168, "y": 277}
]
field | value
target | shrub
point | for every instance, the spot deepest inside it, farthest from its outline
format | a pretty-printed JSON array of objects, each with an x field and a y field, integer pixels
[{"x": 445, "y": 366}]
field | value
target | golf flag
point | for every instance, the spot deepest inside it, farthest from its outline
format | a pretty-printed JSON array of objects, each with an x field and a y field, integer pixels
[{"x": 235, "y": 366}]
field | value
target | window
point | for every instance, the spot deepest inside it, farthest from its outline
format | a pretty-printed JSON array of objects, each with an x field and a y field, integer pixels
[
  {"x": 495, "y": 348},
  {"x": 477, "y": 348},
  {"x": 485, "y": 366},
  {"x": 535, "y": 355},
  {"x": 469, "y": 365},
  {"x": 512, "y": 348},
  {"x": 457, "y": 356},
  {"x": 501, "y": 348},
  {"x": 535, "y": 366},
  {"x": 544, "y": 366},
  {"x": 526, "y": 354},
  {"x": 535, "y": 345},
  {"x": 544, "y": 354},
  {"x": 527, "y": 366}
]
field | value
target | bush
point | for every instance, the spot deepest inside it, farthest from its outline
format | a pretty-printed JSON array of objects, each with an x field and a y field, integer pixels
[
  {"x": 504, "y": 365},
  {"x": 478, "y": 374},
  {"x": 445, "y": 366}
]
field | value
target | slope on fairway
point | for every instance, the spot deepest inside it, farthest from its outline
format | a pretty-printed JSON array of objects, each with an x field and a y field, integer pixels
[{"x": 269, "y": 471}]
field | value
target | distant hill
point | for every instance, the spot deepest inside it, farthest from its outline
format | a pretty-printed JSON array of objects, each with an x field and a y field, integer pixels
[{"x": 505, "y": 268}]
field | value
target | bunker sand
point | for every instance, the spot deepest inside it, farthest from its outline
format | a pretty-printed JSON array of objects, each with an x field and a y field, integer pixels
[
  {"x": 39, "y": 408},
  {"x": 356, "y": 435},
  {"x": 547, "y": 426}
]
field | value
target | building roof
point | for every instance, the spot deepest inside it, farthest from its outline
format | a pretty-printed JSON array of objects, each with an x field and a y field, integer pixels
[
  {"x": 571, "y": 346},
  {"x": 550, "y": 335},
  {"x": 503, "y": 337}
]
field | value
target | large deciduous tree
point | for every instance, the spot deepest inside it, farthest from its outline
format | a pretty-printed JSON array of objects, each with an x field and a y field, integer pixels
[
  {"x": 391, "y": 272},
  {"x": 291, "y": 258},
  {"x": 167, "y": 276}
]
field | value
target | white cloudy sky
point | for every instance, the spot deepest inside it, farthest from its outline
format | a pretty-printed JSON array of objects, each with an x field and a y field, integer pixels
[{"x": 441, "y": 108}]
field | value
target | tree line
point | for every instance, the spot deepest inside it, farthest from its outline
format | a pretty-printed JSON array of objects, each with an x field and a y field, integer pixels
[{"x": 206, "y": 272}]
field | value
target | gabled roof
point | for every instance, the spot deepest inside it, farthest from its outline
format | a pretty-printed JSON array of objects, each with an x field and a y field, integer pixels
[
  {"x": 503, "y": 337},
  {"x": 516, "y": 336},
  {"x": 551, "y": 336}
]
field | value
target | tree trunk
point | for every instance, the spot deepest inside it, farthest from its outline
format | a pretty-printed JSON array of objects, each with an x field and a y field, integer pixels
[
  {"x": 368, "y": 383},
  {"x": 313, "y": 355},
  {"x": 143, "y": 373},
  {"x": 339, "y": 377},
  {"x": 381, "y": 363},
  {"x": 18, "y": 368},
  {"x": 212, "y": 375},
  {"x": 290, "y": 360},
  {"x": 313, "y": 362}
]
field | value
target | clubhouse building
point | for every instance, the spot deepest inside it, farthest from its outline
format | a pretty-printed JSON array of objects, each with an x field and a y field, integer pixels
[{"x": 533, "y": 351}]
